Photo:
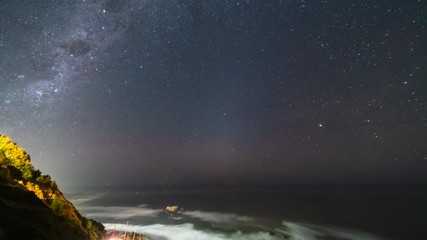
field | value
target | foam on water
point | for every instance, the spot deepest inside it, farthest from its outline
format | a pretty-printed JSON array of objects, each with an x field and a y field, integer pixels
[
  {"x": 216, "y": 217},
  {"x": 82, "y": 198},
  {"x": 187, "y": 231},
  {"x": 306, "y": 231},
  {"x": 290, "y": 230},
  {"x": 205, "y": 225},
  {"x": 117, "y": 212}
]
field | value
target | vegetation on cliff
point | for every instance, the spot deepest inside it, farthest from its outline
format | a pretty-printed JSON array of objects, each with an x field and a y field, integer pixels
[{"x": 32, "y": 204}]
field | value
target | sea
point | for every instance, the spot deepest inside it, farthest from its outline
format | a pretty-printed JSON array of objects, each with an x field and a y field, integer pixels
[{"x": 262, "y": 212}]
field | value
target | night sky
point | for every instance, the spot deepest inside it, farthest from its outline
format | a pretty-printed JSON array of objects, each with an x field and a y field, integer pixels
[{"x": 232, "y": 92}]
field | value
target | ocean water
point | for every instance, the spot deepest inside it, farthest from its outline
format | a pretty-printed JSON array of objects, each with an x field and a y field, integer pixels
[{"x": 269, "y": 213}]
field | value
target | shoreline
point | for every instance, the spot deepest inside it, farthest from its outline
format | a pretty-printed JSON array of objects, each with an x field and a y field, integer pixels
[{"x": 120, "y": 235}]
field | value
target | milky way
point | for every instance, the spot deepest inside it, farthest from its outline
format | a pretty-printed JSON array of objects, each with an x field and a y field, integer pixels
[
  {"x": 65, "y": 53},
  {"x": 230, "y": 92}
]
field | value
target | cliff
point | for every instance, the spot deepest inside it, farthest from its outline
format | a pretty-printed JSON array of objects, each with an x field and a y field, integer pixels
[{"x": 31, "y": 204}]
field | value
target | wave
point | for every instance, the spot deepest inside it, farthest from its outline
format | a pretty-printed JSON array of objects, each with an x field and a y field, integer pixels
[
  {"x": 216, "y": 217},
  {"x": 221, "y": 226},
  {"x": 82, "y": 198},
  {"x": 306, "y": 231},
  {"x": 187, "y": 231},
  {"x": 117, "y": 212},
  {"x": 288, "y": 230}
]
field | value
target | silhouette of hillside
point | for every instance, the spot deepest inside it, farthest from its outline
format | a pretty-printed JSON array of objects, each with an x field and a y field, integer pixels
[{"x": 31, "y": 204}]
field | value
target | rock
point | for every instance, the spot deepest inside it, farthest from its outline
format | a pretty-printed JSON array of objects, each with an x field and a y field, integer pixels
[{"x": 173, "y": 209}]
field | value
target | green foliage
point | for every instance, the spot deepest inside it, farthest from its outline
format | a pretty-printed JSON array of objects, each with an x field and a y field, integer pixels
[
  {"x": 15, "y": 156},
  {"x": 46, "y": 182},
  {"x": 3, "y": 159},
  {"x": 88, "y": 224},
  {"x": 57, "y": 205},
  {"x": 64, "y": 208},
  {"x": 26, "y": 217},
  {"x": 27, "y": 171},
  {"x": 36, "y": 174},
  {"x": 17, "y": 169}
]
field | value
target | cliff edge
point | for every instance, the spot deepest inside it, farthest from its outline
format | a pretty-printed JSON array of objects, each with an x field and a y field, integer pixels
[{"x": 31, "y": 204}]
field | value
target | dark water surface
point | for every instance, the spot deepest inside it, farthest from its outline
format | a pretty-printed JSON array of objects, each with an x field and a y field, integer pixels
[{"x": 262, "y": 212}]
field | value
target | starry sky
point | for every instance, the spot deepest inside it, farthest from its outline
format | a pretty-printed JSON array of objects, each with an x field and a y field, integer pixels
[{"x": 194, "y": 92}]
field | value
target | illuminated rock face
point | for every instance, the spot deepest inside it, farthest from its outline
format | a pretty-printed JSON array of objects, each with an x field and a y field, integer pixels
[{"x": 173, "y": 209}]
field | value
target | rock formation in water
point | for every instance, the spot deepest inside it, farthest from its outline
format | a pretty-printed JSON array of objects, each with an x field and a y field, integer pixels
[{"x": 173, "y": 209}]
